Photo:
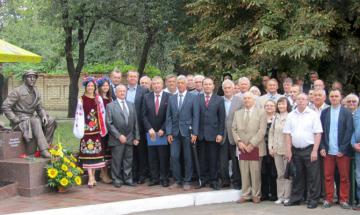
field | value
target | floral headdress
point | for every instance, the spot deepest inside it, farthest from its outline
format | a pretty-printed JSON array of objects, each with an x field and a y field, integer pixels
[
  {"x": 88, "y": 79},
  {"x": 102, "y": 80}
]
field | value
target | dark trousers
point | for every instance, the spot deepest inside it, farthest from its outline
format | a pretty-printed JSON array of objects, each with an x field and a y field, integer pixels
[
  {"x": 229, "y": 151},
  {"x": 307, "y": 173},
  {"x": 209, "y": 159},
  {"x": 268, "y": 178},
  {"x": 179, "y": 144},
  {"x": 140, "y": 164},
  {"x": 159, "y": 162},
  {"x": 121, "y": 163}
]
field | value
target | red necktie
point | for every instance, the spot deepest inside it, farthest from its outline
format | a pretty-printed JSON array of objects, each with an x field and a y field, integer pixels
[
  {"x": 157, "y": 104},
  {"x": 207, "y": 100}
]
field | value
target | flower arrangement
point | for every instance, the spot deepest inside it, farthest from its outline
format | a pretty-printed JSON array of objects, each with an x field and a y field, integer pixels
[{"x": 62, "y": 171}]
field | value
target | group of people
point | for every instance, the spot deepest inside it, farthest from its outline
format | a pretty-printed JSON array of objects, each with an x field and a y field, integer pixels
[{"x": 283, "y": 141}]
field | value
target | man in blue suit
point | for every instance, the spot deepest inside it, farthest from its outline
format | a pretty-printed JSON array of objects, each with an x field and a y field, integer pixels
[
  {"x": 182, "y": 129},
  {"x": 211, "y": 133}
]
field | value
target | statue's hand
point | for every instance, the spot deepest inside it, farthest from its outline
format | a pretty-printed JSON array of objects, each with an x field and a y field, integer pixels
[{"x": 44, "y": 120}]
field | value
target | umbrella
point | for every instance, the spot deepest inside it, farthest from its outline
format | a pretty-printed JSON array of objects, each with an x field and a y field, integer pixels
[{"x": 11, "y": 53}]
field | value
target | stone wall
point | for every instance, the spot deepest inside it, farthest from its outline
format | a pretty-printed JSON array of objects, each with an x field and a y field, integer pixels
[{"x": 54, "y": 90}]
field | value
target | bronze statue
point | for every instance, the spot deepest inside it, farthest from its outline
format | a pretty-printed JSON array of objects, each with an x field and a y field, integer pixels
[{"x": 20, "y": 107}]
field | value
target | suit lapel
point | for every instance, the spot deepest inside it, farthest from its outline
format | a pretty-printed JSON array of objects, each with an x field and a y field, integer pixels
[
  {"x": 163, "y": 97},
  {"x": 185, "y": 101},
  {"x": 152, "y": 102},
  {"x": 119, "y": 107}
]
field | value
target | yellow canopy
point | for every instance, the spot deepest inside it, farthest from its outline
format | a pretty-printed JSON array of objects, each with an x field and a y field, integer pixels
[{"x": 11, "y": 53}]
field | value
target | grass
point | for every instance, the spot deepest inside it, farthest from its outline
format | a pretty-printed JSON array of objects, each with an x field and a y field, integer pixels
[{"x": 64, "y": 134}]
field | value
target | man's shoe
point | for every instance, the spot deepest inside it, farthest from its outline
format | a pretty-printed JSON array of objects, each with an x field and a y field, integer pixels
[
  {"x": 242, "y": 200},
  {"x": 175, "y": 186},
  {"x": 131, "y": 184},
  {"x": 357, "y": 207},
  {"x": 291, "y": 203},
  {"x": 256, "y": 200},
  {"x": 236, "y": 186},
  {"x": 312, "y": 205},
  {"x": 45, "y": 153},
  {"x": 279, "y": 201},
  {"x": 326, "y": 204},
  {"x": 225, "y": 184},
  {"x": 116, "y": 184},
  {"x": 165, "y": 184},
  {"x": 215, "y": 186},
  {"x": 345, "y": 205},
  {"x": 200, "y": 185},
  {"x": 141, "y": 181},
  {"x": 186, "y": 187},
  {"x": 153, "y": 183}
]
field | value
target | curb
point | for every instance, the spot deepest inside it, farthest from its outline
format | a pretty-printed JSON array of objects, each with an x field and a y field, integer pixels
[{"x": 147, "y": 204}]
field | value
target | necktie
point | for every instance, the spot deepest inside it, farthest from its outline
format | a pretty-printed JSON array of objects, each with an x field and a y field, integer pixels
[
  {"x": 180, "y": 101},
  {"x": 126, "y": 113},
  {"x": 247, "y": 115},
  {"x": 157, "y": 104},
  {"x": 207, "y": 100}
]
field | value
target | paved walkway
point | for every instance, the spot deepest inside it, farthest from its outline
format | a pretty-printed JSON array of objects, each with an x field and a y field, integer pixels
[
  {"x": 80, "y": 196},
  {"x": 268, "y": 208}
]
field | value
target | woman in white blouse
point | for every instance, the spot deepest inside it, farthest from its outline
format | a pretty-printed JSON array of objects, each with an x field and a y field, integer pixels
[{"x": 277, "y": 149}]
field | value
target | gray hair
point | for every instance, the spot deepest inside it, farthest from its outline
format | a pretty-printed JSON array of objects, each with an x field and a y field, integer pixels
[
  {"x": 352, "y": 95},
  {"x": 145, "y": 77},
  {"x": 227, "y": 82},
  {"x": 133, "y": 71},
  {"x": 323, "y": 92},
  {"x": 288, "y": 80},
  {"x": 199, "y": 77},
  {"x": 120, "y": 86},
  {"x": 254, "y": 89},
  {"x": 244, "y": 79},
  {"x": 181, "y": 78},
  {"x": 250, "y": 94}
]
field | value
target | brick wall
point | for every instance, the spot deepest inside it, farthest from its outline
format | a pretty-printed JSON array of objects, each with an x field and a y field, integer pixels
[{"x": 54, "y": 90}]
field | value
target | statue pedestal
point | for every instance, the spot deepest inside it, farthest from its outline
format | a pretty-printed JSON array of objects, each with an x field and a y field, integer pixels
[
  {"x": 29, "y": 174},
  {"x": 11, "y": 144}
]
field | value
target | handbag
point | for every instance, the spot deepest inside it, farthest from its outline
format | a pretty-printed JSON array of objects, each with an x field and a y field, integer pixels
[{"x": 290, "y": 170}]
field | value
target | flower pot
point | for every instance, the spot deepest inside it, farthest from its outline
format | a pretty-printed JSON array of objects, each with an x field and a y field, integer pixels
[{"x": 62, "y": 189}]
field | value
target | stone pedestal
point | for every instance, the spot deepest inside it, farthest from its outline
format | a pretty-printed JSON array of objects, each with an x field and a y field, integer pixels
[
  {"x": 29, "y": 174},
  {"x": 11, "y": 144}
]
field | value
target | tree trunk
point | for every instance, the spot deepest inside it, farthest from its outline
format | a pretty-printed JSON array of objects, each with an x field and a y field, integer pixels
[{"x": 145, "y": 52}]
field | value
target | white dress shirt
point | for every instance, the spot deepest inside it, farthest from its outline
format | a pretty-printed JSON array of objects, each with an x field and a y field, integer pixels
[
  {"x": 160, "y": 96},
  {"x": 302, "y": 127},
  {"x": 183, "y": 97}
]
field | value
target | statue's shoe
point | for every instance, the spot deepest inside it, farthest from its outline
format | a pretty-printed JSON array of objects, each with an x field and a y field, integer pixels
[{"x": 45, "y": 154}]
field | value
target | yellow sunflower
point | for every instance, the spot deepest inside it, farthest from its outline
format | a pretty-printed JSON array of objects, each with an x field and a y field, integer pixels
[
  {"x": 69, "y": 174},
  {"x": 64, "y": 182},
  {"x": 73, "y": 158},
  {"x": 80, "y": 170},
  {"x": 52, "y": 152},
  {"x": 66, "y": 160},
  {"x": 52, "y": 172},
  {"x": 77, "y": 180},
  {"x": 64, "y": 167},
  {"x": 72, "y": 165}
]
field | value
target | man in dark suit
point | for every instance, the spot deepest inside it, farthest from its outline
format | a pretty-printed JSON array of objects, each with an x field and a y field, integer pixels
[
  {"x": 182, "y": 118},
  {"x": 211, "y": 133},
  {"x": 115, "y": 79},
  {"x": 135, "y": 95},
  {"x": 154, "y": 117},
  {"x": 121, "y": 121},
  {"x": 228, "y": 148},
  {"x": 335, "y": 147}
]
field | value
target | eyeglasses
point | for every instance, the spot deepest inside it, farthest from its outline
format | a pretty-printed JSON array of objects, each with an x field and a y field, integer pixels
[{"x": 351, "y": 101}]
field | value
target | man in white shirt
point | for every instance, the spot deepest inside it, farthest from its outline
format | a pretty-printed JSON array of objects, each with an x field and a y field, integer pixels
[{"x": 303, "y": 134}]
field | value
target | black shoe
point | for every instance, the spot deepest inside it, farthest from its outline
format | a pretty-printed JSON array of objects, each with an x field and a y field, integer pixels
[
  {"x": 215, "y": 186},
  {"x": 153, "y": 183},
  {"x": 236, "y": 186},
  {"x": 141, "y": 181},
  {"x": 225, "y": 184},
  {"x": 200, "y": 185},
  {"x": 131, "y": 184},
  {"x": 291, "y": 203},
  {"x": 117, "y": 185},
  {"x": 165, "y": 183},
  {"x": 312, "y": 205}
]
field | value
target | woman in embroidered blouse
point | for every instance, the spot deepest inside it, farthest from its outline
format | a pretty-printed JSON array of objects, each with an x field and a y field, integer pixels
[
  {"x": 105, "y": 93},
  {"x": 90, "y": 127},
  {"x": 268, "y": 169},
  {"x": 277, "y": 149}
]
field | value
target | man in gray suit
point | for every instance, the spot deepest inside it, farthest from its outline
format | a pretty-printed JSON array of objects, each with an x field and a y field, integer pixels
[
  {"x": 121, "y": 121},
  {"x": 182, "y": 129},
  {"x": 228, "y": 148}
]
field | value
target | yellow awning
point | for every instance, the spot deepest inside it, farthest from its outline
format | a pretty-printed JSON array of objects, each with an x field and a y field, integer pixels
[{"x": 11, "y": 53}]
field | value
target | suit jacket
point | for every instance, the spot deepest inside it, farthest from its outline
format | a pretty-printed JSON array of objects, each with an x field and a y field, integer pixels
[
  {"x": 115, "y": 123},
  {"x": 178, "y": 121},
  {"x": 150, "y": 119},
  {"x": 345, "y": 130},
  {"x": 236, "y": 104},
  {"x": 212, "y": 118},
  {"x": 139, "y": 97},
  {"x": 253, "y": 131}
]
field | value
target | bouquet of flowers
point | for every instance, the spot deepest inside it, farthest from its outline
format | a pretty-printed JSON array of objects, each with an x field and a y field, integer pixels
[{"x": 62, "y": 171}]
